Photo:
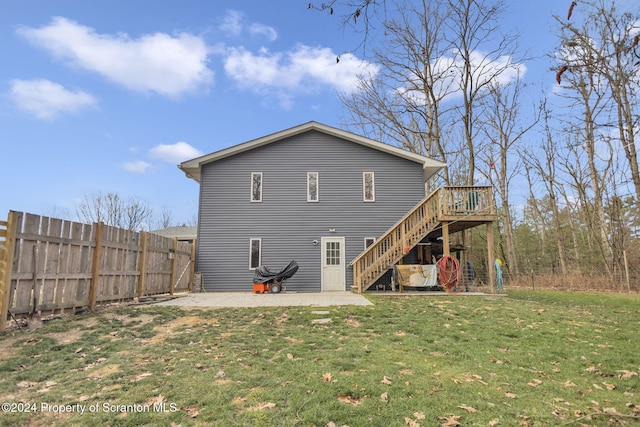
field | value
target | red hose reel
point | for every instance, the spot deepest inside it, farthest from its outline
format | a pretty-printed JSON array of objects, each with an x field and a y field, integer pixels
[{"x": 449, "y": 273}]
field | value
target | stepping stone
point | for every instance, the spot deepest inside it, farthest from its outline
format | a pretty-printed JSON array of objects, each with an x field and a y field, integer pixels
[{"x": 326, "y": 320}]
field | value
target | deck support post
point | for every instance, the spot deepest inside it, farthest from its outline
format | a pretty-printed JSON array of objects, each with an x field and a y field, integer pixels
[
  {"x": 490, "y": 258},
  {"x": 446, "y": 250}
]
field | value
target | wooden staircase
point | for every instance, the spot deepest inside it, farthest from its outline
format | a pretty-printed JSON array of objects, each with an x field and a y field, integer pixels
[{"x": 465, "y": 207}]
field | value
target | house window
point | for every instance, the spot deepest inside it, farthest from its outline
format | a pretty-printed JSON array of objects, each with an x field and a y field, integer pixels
[
  {"x": 368, "y": 241},
  {"x": 332, "y": 253},
  {"x": 255, "y": 253},
  {"x": 368, "y": 187},
  {"x": 256, "y": 186},
  {"x": 312, "y": 186}
]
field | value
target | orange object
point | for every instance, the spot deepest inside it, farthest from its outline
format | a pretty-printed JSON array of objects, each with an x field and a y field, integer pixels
[{"x": 261, "y": 288}]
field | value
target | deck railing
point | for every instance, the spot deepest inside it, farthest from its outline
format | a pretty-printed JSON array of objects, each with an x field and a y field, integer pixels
[{"x": 398, "y": 240}]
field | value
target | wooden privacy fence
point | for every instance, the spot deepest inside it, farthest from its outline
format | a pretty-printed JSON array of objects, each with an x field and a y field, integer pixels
[{"x": 52, "y": 265}]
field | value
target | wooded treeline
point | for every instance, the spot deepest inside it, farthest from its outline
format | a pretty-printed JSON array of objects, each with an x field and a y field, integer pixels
[{"x": 561, "y": 157}]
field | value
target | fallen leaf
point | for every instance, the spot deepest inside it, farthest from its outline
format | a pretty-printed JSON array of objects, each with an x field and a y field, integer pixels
[
  {"x": 283, "y": 318},
  {"x": 192, "y": 411},
  {"x": 261, "y": 406},
  {"x": 468, "y": 408},
  {"x": 327, "y": 377},
  {"x": 626, "y": 375},
  {"x": 511, "y": 395},
  {"x": 450, "y": 421},
  {"x": 419, "y": 415},
  {"x": 289, "y": 356},
  {"x": 609, "y": 386},
  {"x": 384, "y": 397},
  {"x": 611, "y": 411},
  {"x": 558, "y": 414},
  {"x": 386, "y": 380},
  {"x": 352, "y": 322},
  {"x": 494, "y": 423},
  {"x": 238, "y": 401},
  {"x": 348, "y": 399},
  {"x": 534, "y": 383},
  {"x": 157, "y": 400},
  {"x": 410, "y": 423},
  {"x": 569, "y": 383},
  {"x": 26, "y": 384}
]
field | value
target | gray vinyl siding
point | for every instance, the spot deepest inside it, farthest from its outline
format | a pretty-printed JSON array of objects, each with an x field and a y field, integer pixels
[{"x": 284, "y": 220}]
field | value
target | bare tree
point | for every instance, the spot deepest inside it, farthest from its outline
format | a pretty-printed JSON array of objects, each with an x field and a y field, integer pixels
[
  {"x": 113, "y": 210},
  {"x": 482, "y": 55},
  {"x": 588, "y": 92},
  {"x": 504, "y": 131},
  {"x": 361, "y": 15},
  {"x": 166, "y": 218},
  {"x": 438, "y": 60},
  {"x": 403, "y": 103},
  {"x": 605, "y": 41},
  {"x": 545, "y": 168}
]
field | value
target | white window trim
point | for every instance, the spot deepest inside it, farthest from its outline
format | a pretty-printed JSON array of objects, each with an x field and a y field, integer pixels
[
  {"x": 373, "y": 240},
  {"x": 317, "y": 187},
  {"x": 261, "y": 187},
  {"x": 251, "y": 240},
  {"x": 364, "y": 187}
]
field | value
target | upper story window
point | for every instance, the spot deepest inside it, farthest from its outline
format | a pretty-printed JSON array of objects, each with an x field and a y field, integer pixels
[
  {"x": 312, "y": 186},
  {"x": 256, "y": 186},
  {"x": 368, "y": 187}
]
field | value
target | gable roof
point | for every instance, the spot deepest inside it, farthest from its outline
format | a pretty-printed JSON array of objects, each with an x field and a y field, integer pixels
[
  {"x": 191, "y": 168},
  {"x": 182, "y": 232}
]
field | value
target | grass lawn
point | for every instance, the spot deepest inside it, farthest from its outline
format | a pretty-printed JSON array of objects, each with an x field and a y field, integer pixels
[{"x": 529, "y": 359}]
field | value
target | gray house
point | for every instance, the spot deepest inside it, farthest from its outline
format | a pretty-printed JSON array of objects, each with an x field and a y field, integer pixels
[{"x": 312, "y": 193}]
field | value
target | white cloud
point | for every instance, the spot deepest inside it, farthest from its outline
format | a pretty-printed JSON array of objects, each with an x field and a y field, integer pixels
[
  {"x": 303, "y": 69},
  {"x": 263, "y": 30},
  {"x": 136, "y": 167},
  {"x": 161, "y": 63},
  {"x": 234, "y": 24},
  {"x": 46, "y": 99},
  {"x": 174, "y": 153}
]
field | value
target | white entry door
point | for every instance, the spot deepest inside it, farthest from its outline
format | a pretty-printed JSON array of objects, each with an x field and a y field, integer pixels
[{"x": 333, "y": 266}]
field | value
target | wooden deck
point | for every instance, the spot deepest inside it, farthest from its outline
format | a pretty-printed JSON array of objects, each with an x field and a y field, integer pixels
[{"x": 446, "y": 211}]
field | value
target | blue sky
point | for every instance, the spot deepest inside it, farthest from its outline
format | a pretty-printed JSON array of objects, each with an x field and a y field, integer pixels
[{"x": 110, "y": 95}]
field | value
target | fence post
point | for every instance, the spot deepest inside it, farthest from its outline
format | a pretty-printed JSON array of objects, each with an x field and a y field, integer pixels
[
  {"x": 6, "y": 267},
  {"x": 95, "y": 266},
  {"x": 192, "y": 270},
  {"x": 174, "y": 261},
  {"x": 142, "y": 279}
]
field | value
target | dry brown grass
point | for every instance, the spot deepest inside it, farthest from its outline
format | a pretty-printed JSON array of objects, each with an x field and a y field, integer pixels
[{"x": 574, "y": 281}]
